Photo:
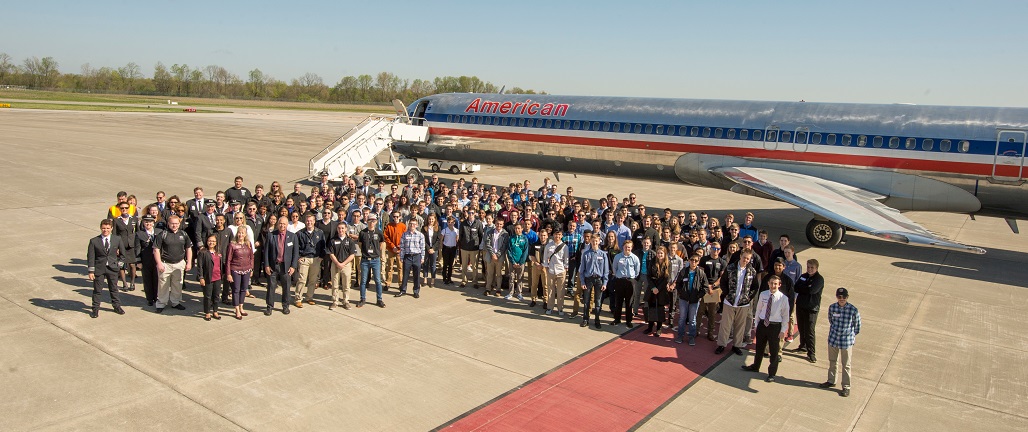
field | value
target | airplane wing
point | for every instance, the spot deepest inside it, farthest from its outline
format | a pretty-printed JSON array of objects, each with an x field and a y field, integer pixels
[{"x": 847, "y": 205}]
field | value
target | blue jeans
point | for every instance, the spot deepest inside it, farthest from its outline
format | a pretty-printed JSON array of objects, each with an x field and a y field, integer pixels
[
  {"x": 371, "y": 267},
  {"x": 687, "y": 310},
  {"x": 411, "y": 268}
]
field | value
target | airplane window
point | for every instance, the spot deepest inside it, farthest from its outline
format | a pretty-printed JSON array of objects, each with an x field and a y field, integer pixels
[
  {"x": 521, "y": 122},
  {"x": 945, "y": 145},
  {"x": 449, "y": 119},
  {"x": 718, "y": 132},
  {"x": 894, "y": 142},
  {"x": 637, "y": 128},
  {"x": 576, "y": 125},
  {"x": 463, "y": 119},
  {"x": 479, "y": 120},
  {"x": 757, "y": 135},
  {"x": 648, "y": 129},
  {"x": 660, "y": 129},
  {"x": 911, "y": 143},
  {"x": 744, "y": 134},
  {"x": 731, "y": 134},
  {"x": 706, "y": 132},
  {"x": 695, "y": 131},
  {"x": 877, "y": 141},
  {"x": 786, "y": 136},
  {"x": 815, "y": 138},
  {"x": 964, "y": 146},
  {"x": 801, "y": 137},
  {"x": 585, "y": 125},
  {"x": 616, "y": 127},
  {"x": 567, "y": 124},
  {"x": 862, "y": 141},
  {"x": 606, "y": 126},
  {"x": 670, "y": 130},
  {"x": 596, "y": 126},
  {"x": 549, "y": 124},
  {"x": 772, "y": 135},
  {"x": 831, "y": 139},
  {"x": 927, "y": 144},
  {"x": 847, "y": 140},
  {"x": 538, "y": 123}
]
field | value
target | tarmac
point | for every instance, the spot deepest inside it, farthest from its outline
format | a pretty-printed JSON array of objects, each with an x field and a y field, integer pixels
[{"x": 942, "y": 347}]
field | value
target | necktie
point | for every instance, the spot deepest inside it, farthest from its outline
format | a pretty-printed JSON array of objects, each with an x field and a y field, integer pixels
[
  {"x": 107, "y": 246},
  {"x": 767, "y": 313},
  {"x": 212, "y": 219}
]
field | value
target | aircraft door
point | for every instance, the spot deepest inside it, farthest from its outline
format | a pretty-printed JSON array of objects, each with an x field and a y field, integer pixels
[
  {"x": 1009, "y": 161},
  {"x": 802, "y": 138},
  {"x": 771, "y": 138},
  {"x": 419, "y": 113}
]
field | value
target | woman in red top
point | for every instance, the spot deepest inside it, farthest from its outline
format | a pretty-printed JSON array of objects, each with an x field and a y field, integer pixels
[
  {"x": 239, "y": 259},
  {"x": 208, "y": 263}
]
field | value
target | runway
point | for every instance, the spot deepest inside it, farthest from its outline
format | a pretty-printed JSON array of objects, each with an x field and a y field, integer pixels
[{"x": 943, "y": 345}]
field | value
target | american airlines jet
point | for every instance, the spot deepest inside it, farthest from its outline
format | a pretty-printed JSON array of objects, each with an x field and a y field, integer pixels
[{"x": 854, "y": 166}]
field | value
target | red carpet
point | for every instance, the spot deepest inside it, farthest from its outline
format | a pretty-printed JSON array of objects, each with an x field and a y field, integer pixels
[{"x": 613, "y": 387}]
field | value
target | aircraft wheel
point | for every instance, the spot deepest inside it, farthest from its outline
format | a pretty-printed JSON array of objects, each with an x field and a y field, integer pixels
[
  {"x": 435, "y": 167},
  {"x": 455, "y": 169},
  {"x": 824, "y": 233}
]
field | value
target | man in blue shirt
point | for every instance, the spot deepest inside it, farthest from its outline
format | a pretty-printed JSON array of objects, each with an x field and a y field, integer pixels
[
  {"x": 594, "y": 270},
  {"x": 843, "y": 328},
  {"x": 626, "y": 272}
]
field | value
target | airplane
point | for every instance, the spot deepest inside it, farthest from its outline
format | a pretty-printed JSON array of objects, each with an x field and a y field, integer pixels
[{"x": 854, "y": 166}]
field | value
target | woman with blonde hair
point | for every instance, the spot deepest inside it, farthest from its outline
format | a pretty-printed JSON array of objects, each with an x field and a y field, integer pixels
[{"x": 239, "y": 265}]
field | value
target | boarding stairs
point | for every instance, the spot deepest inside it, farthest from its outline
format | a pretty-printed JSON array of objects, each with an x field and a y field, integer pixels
[{"x": 361, "y": 144}]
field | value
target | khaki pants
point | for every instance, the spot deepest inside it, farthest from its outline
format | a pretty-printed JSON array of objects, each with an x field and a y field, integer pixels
[
  {"x": 536, "y": 281},
  {"x": 392, "y": 264},
  {"x": 310, "y": 269},
  {"x": 493, "y": 273},
  {"x": 468, "y": 258},
  {"x": 708, "y": 310},
  {"x": 169, "y": 285},
  {"x": 833, "y": 357},
  {"x": 554, "y": 288},
  {"x": 341, "y": 282},
  {"x": 733, "y": 324},
  {"x": 577, "y": 297}
]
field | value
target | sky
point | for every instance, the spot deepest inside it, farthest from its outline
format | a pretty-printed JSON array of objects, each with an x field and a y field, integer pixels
[{"x": 924, "y": 52}]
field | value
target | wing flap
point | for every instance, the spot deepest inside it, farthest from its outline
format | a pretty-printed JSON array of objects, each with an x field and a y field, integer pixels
[{"x": 848, "y": 205}]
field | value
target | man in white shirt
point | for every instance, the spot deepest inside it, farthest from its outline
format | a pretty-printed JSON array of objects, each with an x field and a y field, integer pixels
[
  {"x": 555, "y": 261},
  {"x": 771, "y": 317}
]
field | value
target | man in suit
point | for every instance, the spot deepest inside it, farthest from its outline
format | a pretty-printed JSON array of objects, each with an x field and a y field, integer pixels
[
  {"x": 281, "y": 256},
  {"x": 495, "y": 242},
  {"x": 204, "y": 225},
  {"x": 144, "y": 240},
  {"x": 102, "y": 258},
  {"x": 195, "y": 206}
]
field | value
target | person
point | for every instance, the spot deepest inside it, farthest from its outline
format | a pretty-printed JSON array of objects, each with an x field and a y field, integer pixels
[
  {"x": 739, "y": 284},
  {"x": 115, "y": 210},
  {"x": 770, "y": 320},
  {"x": 341, "y": 255},
  {"x": 449, "y": 239},
  {"x": 412, "y": 256},
  {"x": 843, "y": 328},
  {"x": 555, "y": 261},
  {"x": 125, "y": 226},
  {"x": 713, "y": 267},
  {"x": 808, "y": 303},
  {"x": 437, "y": 240},
  {"x": 646, "y": 256},
  {"x": 517, "y": 256},
  {"x": 392, "y": 233},
  {"x": 370, "y": 240},
  {"x": 470, "y": 241},
  {"x": 281, "y": 254},
  {"x": 173, "y": 253},
  {"x": 237, "y": 192},
  {"x": 536, "y": 270},
  {"x": 495, "y": 247},
  {"x": 312, "y": 244},
  {"x": 102, "y": 257},
  {"x": 658, "y": 295},
  {"x": 144, "y": 239},
  {"x": 238, "y": 269},
  {"x": 691, "y": 285},
  {"x": 208, "y": 265},
  {"x": 625, "y": 270},
  {"x": 594, "y": 270}
]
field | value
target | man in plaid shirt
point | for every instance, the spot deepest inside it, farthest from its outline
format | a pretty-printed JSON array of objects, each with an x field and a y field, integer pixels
[
  {"x": 412, "y": 255},
  {"x": 844, "y": 326}
]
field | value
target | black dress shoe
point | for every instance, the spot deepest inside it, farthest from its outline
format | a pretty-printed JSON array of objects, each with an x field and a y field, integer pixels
[
  {"x": 179, "y": 307},
  {"x": 596, "y": 324},
  {"x": 285, "y": 310},
  {"x": 615, "y": 322},
  {"x": 380, "y": 304},
  {"x": 719, "y": 350},
  {"x": 119, "y": 310},
  {"x": 94, "y": 313},
  {"x": 532, "y": 304},
  {"x": 811, "y": 359},
  {"x": 769, "y": 379},
  {"x": 798, "y": 349},
  {"x": 751, "y": 368},
  {"x": 360, "y": 303},
  {"x": 149, "y": 302},
  {"x": 844, "y": 392},
  {"x": 267, "y": 312},
  {"x": 736, "y": 350},
  {"x": 584, "y": 323},
  {"x": 462, "y": 285},
  {"x": 826, "y": 384},
  {"x": 159, "y": 310},
  {"x": 417, "y": 295},
  {"x": 401, "y": 294}
]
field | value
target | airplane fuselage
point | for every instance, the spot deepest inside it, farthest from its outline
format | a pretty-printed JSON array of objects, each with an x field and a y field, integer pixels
[{"x": 921, "y": 158}]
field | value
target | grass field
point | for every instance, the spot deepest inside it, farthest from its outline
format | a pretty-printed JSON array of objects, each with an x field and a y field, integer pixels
[
  {"x": 110, "y": 108},
  {"x": 54, "y": 96}
]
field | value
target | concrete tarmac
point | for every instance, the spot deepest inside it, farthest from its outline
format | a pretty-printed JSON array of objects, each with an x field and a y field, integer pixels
[{"x": 943, "y": 345}]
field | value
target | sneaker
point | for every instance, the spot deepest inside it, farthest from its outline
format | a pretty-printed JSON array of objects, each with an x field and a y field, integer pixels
[
  {"x": 346, "y": 305},
  {"x": 506, "y": 297},
  {"x": 380, "y": 304},
  {"x": 562, "y": 314},
  {"x": 692, "y": 341},
  {"x": 678, "y": 341},
  {"x": 844, "y": 392},
  {"x": 361, "y": 303},
  {"x": 549, "y": 312},
  {"x": 521, "y": 298}
]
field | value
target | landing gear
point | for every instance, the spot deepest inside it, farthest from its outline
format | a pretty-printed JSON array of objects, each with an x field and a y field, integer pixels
[{"x": 824, "y": 233}]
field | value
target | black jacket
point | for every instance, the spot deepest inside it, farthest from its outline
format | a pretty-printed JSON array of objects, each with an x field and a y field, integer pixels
[
  {"x": 694, "y": 293},
  {"x": 205, "y": 264},
  {"x": 808, "y": 291},
  {"x": 470, "y": 235}
]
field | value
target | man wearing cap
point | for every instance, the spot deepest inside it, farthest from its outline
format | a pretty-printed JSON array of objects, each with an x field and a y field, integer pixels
[
  {"x": 770, "y": 320},
  {"x": 843, "y": 328},
  {"x": 370, "y": 241},
  {"x": 144, "y": 240}
]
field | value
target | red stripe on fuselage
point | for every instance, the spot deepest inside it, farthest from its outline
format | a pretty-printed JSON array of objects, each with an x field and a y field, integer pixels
[{"x": 754, "y": 153}]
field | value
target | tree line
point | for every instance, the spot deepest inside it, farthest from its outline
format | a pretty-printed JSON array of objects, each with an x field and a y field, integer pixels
[{"x": 213, "y": 81}]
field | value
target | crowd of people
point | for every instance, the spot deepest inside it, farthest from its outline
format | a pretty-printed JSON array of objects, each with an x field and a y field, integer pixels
[{"x": 686, "y": 270}]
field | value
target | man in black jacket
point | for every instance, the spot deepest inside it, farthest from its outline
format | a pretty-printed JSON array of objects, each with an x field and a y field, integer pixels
[
  {"x": 470, "y": 242},
  {"x": 102, "y": 258},
  {"x": 691, "y": 284},
  {"x": 739, "y": 283},
  {"x": 808, "y": 303}
]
